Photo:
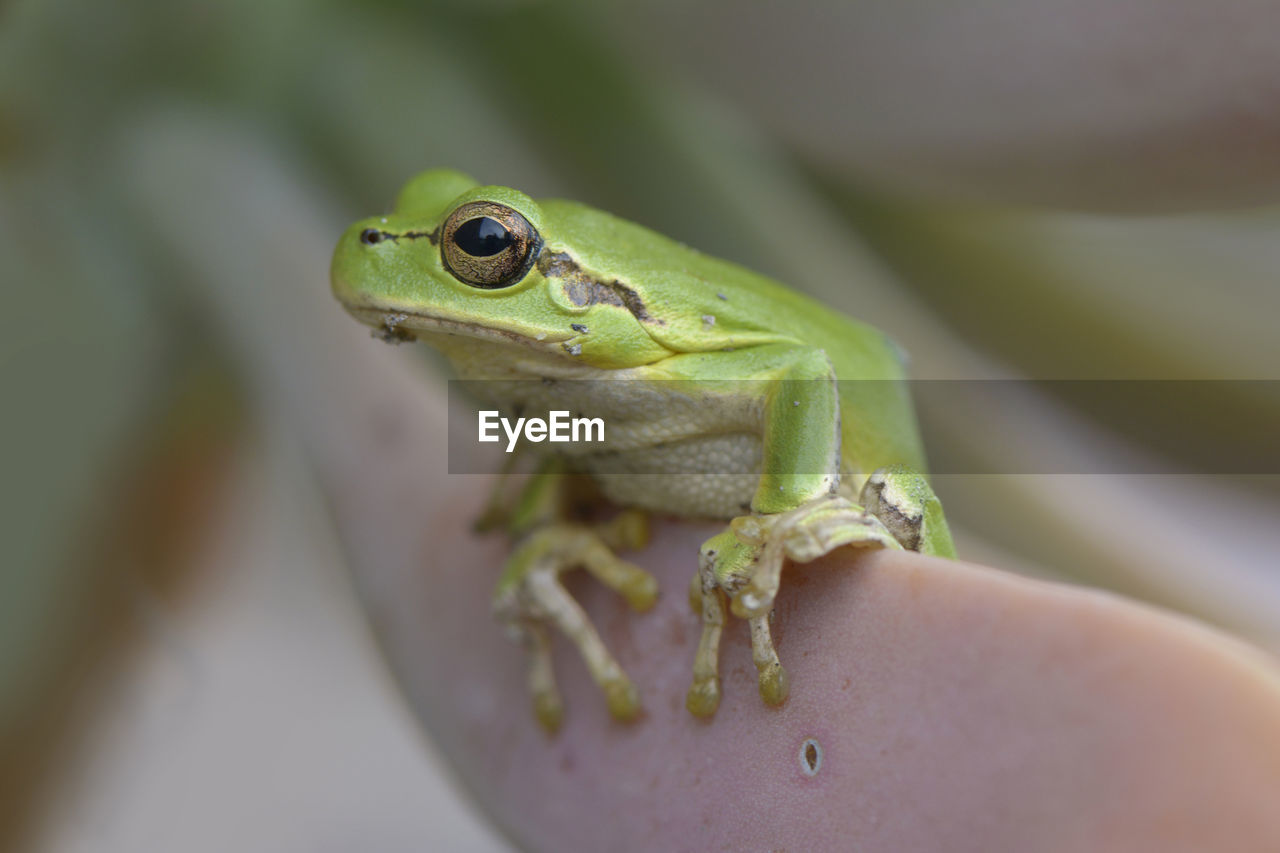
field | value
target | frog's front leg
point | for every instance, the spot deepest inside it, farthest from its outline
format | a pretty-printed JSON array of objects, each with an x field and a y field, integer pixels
[
  {"x": 898, "y": 510},
  {"x": 798, "y": 514},
  {"x": 530, "y": 598},
  {"x": 744, "y": 564}
]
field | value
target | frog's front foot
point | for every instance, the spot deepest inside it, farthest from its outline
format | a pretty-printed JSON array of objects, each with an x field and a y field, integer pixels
[
  {"x": 530, "y": 598},
  {"x": 744, "y": 564}
]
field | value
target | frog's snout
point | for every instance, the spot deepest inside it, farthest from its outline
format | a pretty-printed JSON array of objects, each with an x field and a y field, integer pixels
[{"x": 349, "y": 258}]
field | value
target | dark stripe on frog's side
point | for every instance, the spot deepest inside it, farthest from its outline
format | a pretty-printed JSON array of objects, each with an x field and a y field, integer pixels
[{"x": 583, "y": 290}]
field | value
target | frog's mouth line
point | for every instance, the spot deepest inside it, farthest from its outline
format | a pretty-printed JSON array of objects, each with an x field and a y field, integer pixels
[{"x": 396, "y": 325}]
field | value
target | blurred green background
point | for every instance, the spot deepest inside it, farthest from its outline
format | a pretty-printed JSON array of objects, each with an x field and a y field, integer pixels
[{"x": 122, "y": 399}]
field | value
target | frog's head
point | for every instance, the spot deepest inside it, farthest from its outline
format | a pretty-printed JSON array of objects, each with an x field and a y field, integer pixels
[{"x": 457, "y": 258}]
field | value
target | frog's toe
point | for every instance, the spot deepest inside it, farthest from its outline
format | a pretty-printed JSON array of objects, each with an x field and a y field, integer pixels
[
  {"x": 703, "y": 697},
  {"x": 627, "y": 531},
  {"x": 549, "y": 711},
  {"x": 565, "y": 613},
  {"x": 775, "y": 686},
  {"x": 641, "y": 591},
  {"x": 622, "y": 698},
  {"x": 531, "y": 600},
  {"x": 633, "y": 583},
  {"x": 547, "y": 706}
]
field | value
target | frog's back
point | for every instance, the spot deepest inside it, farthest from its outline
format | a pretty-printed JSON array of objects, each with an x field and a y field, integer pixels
[
  {"x": 727, "y": 305},
  {"x": 715, "y": 295}
]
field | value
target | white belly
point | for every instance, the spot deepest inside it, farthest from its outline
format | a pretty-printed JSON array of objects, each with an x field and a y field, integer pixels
[{"x": 707, "y": 477}]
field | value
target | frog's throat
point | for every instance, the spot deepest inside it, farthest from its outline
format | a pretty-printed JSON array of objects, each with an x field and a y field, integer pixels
[{"x": 395, "y": 323}]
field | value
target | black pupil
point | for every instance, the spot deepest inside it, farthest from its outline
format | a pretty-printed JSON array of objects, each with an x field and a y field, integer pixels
[{"x": 482, "y": 237}]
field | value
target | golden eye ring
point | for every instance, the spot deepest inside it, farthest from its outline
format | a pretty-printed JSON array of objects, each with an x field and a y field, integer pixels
[{"x": 488, "y": 245}]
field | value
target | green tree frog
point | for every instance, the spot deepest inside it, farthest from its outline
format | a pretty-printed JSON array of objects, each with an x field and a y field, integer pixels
[{"x": 736, "y": 386}]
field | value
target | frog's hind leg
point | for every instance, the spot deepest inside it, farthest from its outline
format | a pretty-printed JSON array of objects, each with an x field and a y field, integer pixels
[
  {"x": 903, "y": 501},
  {"x": 530, "y": 597},
  {"x": 568, "y": 616}
]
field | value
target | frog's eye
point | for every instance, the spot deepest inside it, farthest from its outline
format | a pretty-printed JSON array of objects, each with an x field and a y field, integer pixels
[{"x": 488, "y": 245}]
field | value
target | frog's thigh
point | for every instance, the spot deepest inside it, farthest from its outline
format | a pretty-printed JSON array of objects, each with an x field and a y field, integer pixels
[{"x": 903, "y": 501}]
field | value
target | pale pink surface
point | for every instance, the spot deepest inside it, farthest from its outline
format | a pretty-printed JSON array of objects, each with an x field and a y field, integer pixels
[{"x": 957, "y": 708}]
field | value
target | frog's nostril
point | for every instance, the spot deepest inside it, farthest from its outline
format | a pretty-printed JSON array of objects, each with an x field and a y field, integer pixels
[{"x": 371, "y": 236}]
